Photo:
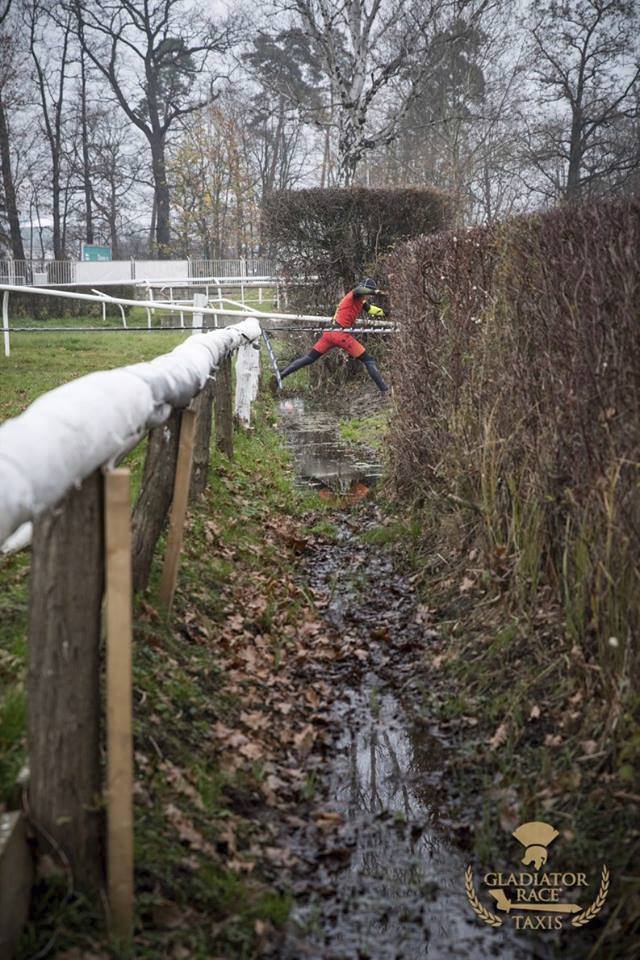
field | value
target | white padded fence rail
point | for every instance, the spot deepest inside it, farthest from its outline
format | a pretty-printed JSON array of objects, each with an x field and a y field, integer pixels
[{"x": 73, "y": 430}]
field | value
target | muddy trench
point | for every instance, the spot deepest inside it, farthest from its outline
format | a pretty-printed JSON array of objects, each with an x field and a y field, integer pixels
[{"x": 388, "y": 880}]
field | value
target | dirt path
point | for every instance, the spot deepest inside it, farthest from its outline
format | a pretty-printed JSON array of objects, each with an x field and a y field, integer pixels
[{"x": 377, "y": 874}]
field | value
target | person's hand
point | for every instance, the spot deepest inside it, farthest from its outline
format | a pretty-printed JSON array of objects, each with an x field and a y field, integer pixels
[{"x": 376, "y": 312}]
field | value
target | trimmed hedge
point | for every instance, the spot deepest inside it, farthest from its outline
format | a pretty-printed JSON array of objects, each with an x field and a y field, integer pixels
[
  {"x": 332, "y": 237},
  {"x": 517, "y": 378}
]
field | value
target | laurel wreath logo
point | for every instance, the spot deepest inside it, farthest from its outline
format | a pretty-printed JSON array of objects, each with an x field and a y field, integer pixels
[
  {"x": 581, "y": 918},
  {"x": 481, "y": 911}
]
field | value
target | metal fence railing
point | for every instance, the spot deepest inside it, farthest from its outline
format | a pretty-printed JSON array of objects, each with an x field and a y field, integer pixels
[
  {"x": 40, "y": 273},
  {"x": 37, "y": 272},
  {"x": 249, "y": 267}
]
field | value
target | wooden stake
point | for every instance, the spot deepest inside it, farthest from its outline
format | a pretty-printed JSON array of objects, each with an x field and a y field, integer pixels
[
  {"x": 178, "y": 508},
  {"x": 118, "y": 604},
  {"x": 224, "y": 408},
  {"x": 203, "y": 406},
  {"x": 63, "y": 682},
  {"x": 156, "y": 493}
]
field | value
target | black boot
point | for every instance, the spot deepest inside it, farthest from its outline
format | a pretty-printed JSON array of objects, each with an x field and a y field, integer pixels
[
  {"x": 374, "y": 373},
  {"x": 301, "y": 362}
]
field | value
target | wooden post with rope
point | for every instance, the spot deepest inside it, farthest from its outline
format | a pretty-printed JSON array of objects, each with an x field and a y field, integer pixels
[
  {"x": 63, "y": 679},
  {"x": 203, "y": 406}
]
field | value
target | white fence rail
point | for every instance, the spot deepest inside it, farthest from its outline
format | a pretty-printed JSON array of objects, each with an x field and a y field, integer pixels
[
  {"x": 71, "y": 431},
  {"x": 84, "y": 273}
]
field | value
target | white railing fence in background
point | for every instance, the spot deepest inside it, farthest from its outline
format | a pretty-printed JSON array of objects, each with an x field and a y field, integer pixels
[
  {"x": 250, "y": 267},
  {"x": 83, "y": 273},
  {"x": 198, "y": 310}
]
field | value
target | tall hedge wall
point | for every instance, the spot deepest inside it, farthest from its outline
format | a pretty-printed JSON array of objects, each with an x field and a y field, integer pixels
[
  {"x": 517, "y": 379},
  {"x": 336, "y": 235}
]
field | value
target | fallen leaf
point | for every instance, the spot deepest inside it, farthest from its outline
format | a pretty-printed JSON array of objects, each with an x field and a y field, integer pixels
[
  {"x": 304, "y": 740},
  {"x": 255, "y": 720},
  {"x": 252, "y": 751},
  {"x": 499, "y": 737},
  {"x": 553, "y": 740},
  {"x": 241, "y": 866}
]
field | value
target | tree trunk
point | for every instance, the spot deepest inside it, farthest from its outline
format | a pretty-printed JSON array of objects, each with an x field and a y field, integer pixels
[
  {"x": 152, "y": 225},
  {"x": 113, "y": 223},
  {"x": 161, "y": 192},
  {"x": 63, "y": 692},
  {"x": 224, "y": 408},
  {"x": 86, "y": 169},
  {"x": 58, "y": 252},
  {"x": 203, "y": 406},
  {"x": 572, "y": 192},
  {"x": 152, "y": 507},
  {"x": 17, "y": 248}
]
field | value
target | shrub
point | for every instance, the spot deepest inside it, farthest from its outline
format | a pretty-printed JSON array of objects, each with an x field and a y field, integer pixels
[
  {"x": 328, "y": 238},
  {"x": 517, "y": 377}
]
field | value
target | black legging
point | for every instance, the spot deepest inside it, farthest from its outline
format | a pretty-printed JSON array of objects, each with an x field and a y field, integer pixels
[{"x": 313, "y": 355}]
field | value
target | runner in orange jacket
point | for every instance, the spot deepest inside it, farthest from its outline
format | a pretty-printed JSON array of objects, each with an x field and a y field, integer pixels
[{"x": 349, "y": 309}]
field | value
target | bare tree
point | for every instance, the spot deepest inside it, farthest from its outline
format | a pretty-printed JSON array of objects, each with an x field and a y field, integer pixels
[
  {"x": 460, "y": 131},
  {"x": 586, "y": 69},
  {"x": 117, "y": 171},
  {"x": 367, "y": 49},
  {"x": 214, "y": 188},
  {"x": 84, "y": 140},
  {"x": 153, "y": 54},
  {"x": 8, "y": 56},
  {"x": 51, "y": 56}
]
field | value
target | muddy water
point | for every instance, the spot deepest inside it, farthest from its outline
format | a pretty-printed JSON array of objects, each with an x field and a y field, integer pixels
[
  {"x": 389, "y": 883},
  {"x": 321, "y": 458}
]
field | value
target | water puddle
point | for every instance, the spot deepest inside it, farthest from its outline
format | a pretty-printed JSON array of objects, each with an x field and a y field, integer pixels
[
  {"x": 321, "y": 458},
  {"x": 389, "y": 882}
]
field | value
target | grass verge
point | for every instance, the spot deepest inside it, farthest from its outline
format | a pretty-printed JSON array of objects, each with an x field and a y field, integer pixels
[{"x": 202, "y": 887}]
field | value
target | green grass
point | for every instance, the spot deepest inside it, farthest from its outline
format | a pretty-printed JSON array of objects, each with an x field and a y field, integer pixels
[
  {"x": 179, "y": 690},
  {"x": 366, "y": 431},
  {"x": 40, "y": 362}
]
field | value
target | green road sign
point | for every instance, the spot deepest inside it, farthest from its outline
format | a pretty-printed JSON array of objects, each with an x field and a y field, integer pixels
[{"x": 93, "y": 252}]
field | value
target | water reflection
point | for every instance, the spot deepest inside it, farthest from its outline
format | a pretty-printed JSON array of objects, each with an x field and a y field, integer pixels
[
  {"x": 404, "y": 889},
  {"x": 321, "y": 457}
]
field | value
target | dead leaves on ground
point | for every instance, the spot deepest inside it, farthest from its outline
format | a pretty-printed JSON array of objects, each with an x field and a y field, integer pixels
[{"x": 270, "y": 653}]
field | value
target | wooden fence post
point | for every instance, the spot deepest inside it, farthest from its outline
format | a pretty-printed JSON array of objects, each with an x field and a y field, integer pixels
[
  {"x": 118, "y": 615},
  {"x": 203, "y": 407},
  {"x": 156, "y": 491},
  {"x": 63, "y": 691},
  {"x": 224, "y": 408},
  {"x": 178, "y": 509}
]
